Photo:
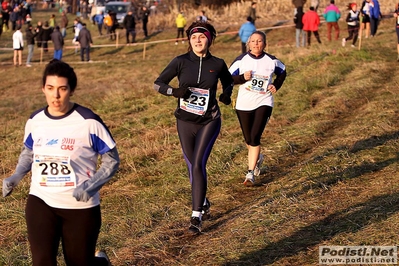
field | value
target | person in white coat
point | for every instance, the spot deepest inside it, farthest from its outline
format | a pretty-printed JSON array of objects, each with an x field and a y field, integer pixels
[{"x": 18, "y": 46}]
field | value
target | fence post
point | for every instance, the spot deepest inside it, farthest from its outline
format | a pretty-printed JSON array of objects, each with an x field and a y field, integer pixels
[
  {"x": 144, "y": 49},
  {"x": 117, "y": 39},
  {"x": 41, "y": 55}
]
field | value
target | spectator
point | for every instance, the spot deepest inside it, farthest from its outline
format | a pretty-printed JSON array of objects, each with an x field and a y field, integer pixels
[
  {"x": 365, "y": 12},
  {"x": 332, "y": 15},
  {"x": 315, "y": 4},
  {"x": 18, "y": 45},
  {"x": 1, "y": 23},
  {"x": 108, "y": 24},
  {"x": 252, "y": 12},
  {"x": 63, "y": 23},
  {"x": 244, "y": 32},
  {"x": 51, "y": 22},
  {"x": 311, "y": 22},
  {"x": 353, "y": 24},
  {"x": 85, "y": 41},
  {"x": 129, "y": 24},
  {"x": 99, "y": 20},
  {"x": 6, "y": 11},
  {"x": 180, "y": 24},
  {"x": 58, "y": 41},
  {"x": 144, "y": 19},
  {"x": 39, "y": 36},
  {"x": 30, "y": 41},
  {"x": 114, "y": 26},
  {"x": 201, "y": 17},
  {"x": 396, "y": 16},
  {"x": 14, "y": 18},
  {"x": 299, "y": 32},
  {"x": 46, "y": 36},
  {"x": 77, "y": 26},
  {"x": 375, "y": 16}
]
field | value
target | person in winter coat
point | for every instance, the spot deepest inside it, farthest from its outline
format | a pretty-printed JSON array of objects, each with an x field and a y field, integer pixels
[
  {"x": 375, "y": 15},
  {"x": 144, "y": 19},
  {"x": 58, "y": 41},
  {"x": 99, "y": 20},
  {"x": 85, "y": 41},
  {"x": 180, "y": 24},
  {"x": 245, "y": 31},
  {"x": 311, "y": 22},
  {"x": 46, "y": 36},
  {"x": 63, "y": 23},
  {"x": 30, "y": 40},
  {"x": 14, "y": 18},
  {"x": 299, "y": 32},
  {"x": 129, "y": 24},
  {"x": 353, "y": 24},
  {"x": 39, "y": 36},
  {"x": 332, "y": 15},
  {"x": 18, "y": 45}
]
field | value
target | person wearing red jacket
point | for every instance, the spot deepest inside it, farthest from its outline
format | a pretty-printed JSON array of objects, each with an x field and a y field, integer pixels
[{"x": 311, "y": 22}]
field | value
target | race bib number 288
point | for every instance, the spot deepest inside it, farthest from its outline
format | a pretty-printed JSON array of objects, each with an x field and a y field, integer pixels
[{"x": 53, "y": 171}]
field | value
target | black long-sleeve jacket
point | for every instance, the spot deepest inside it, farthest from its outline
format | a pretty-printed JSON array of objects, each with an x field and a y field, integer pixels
[{"x": 198, "y": 72}]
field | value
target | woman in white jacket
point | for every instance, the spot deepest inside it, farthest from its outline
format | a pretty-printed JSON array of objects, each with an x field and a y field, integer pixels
[{"x": 18, "y": 45}]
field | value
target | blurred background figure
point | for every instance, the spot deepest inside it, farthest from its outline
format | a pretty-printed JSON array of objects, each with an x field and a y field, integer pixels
[{"x": 245, "y": 31}]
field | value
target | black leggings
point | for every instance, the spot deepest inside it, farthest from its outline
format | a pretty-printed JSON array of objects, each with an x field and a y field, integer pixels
[
  {"x": 197, "y": 142},
  {"x": 78, "y": 230},
  {"x": 253, "y": 123}
]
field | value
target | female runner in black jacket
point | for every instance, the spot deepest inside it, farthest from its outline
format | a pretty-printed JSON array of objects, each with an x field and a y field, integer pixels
[{"x": 197, "y": 113}]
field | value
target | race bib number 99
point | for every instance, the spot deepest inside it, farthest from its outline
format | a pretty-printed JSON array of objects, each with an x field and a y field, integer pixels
[
  {"x": 53, "y": 171},
  {"x": 197, "y": 103},
  {"x": 258, "y": 84}
]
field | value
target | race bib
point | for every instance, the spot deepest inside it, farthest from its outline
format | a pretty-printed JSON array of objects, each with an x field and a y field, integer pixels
[
  {"x": 53, "y": 171},
  {"x": 258, "y": 84},
  {"x": 197, "y": 103}
]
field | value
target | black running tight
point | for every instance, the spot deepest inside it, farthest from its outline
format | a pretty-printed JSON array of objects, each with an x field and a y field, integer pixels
[
  {"x": 78, "y": 230},
  {"x": 253, "y": 123},
  {"x": 197, "y": 142}
]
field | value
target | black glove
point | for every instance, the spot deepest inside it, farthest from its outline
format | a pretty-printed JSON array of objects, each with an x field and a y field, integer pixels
[
  {"x": 225, "y": 99},
  {"x": 181, "y": 93}
]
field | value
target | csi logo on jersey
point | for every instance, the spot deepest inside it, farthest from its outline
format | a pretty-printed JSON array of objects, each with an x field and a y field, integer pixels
[{"x": 67, "y": 144}]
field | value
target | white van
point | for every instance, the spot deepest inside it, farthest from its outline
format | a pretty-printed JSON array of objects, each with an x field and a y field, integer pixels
[{"x": 120, "y": 8}]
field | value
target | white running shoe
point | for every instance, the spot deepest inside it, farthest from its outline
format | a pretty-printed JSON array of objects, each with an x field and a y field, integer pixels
[
  {"x": 249, "y": 179},
  {"x": 102, "y": 254},
  {"x": 343, "y": 42},
  {"x": 261, "y": 158}
]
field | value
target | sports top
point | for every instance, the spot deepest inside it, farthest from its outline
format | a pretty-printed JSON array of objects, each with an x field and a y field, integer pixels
[
  {"x": 65, "y": 153},
  {"x": 253, "y": 93}
]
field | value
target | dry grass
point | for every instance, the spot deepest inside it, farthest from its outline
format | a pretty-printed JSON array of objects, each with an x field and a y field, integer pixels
[{"x": 330, "y": 177}]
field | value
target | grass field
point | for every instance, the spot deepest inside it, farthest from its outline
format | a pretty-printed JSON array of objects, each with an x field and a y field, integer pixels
[{"x": 331, "y": 147}]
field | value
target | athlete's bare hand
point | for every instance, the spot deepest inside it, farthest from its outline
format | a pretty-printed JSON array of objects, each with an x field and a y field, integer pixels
[
  {"x": 248, "y": 75},
  {"x": 271, "y": 88}
]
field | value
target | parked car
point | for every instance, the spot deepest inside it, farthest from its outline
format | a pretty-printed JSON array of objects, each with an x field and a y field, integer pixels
[{"x": 120, "y": 8}]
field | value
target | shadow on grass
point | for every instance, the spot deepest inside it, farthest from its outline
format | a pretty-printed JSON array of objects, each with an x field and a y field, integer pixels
[
  {"x": 113, "y": 51},
  {"x": 350, "y": 220}
]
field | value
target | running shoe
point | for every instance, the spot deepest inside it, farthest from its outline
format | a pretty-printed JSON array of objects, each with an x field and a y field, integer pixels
[
  {"x": 206, "y": 212},
  {"x": 249, "y": 179},
  {"x": 258, "y": 164},
  {"x": 195, "y": 225},
  {"x": 102, "y": 254}
]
